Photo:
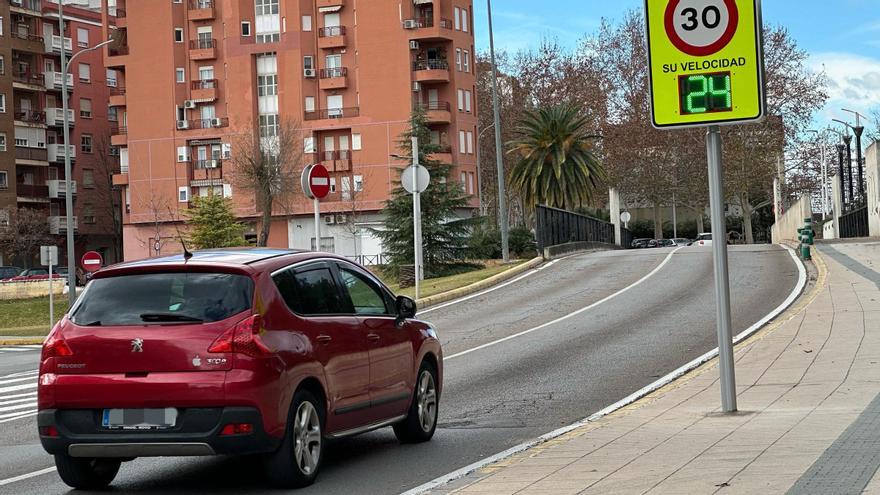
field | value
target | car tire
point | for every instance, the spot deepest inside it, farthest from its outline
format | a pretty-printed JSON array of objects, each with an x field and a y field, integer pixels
[
  {"x": 294, "y": 464},
  {"x": 421, "y": 420},
  {"x": 86, "y": 474}
]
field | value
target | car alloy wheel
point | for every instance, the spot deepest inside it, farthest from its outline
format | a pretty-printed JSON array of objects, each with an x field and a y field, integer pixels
[
  {"x": 427, "y": 400},
  {"x": 307, "y": 438}
]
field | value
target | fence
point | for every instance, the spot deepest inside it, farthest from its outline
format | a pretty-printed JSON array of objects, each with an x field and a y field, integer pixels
[
  {"x": 793, "y": 219},
  {"x": 557, "y": 227},
  {"x": 626, "y": 238},
  {"x": 370, "y": 259},
  {"x": 854, "y": 223}
]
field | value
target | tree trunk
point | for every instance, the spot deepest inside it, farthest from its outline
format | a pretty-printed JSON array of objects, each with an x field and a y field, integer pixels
[
  {"x": 658, "y": 221},
  {"x": 747, "y": 218},
  {"x": 700, "y": 227},
  {"x": 266, "y": 224}
]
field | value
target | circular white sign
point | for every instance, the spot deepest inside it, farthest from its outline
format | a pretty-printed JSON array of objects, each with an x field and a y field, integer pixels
[
  {"x": 701, "y": 27},
  {"x": 625, "y": 217},
  {"x": 423, "y": 179}
]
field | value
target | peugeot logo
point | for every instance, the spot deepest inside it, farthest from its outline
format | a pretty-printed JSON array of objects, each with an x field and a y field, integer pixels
[{"x": 137, "y": 345}]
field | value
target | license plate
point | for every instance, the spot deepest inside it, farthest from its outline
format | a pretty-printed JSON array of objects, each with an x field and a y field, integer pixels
[{"x": 139, "y": 419}]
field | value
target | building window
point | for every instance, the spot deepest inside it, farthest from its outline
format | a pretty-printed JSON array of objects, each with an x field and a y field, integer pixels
[
  {"x": 458, "y": 59},
  {"x": 245, "y": 28},
  {"x": 467, "y": 101},
  {"x": 470, "y": 143},
  {"x": 180, "y": 75},
  {"x": 111, "y": 78},
  {"x": 4, "y": 180},
  {"x": 86, "y": 144},
  {"x": 88, "y": 178},
  {"x": 82, "y": 37},
  {"x": 356, "y": 142},
  {"x": 89, "y": 214},
  {"x": 307, "y": 23},
  {"x": 267, "y": 85},
  {"x": 4, "y": 218},
  {"x": 85, "y": 73},
  {"x": 178, "y": 35},
  {"x": 457, "y": 19},
  {"x": 309, "y": 145},
  {"x": 2, "y": 65},
  {"x": 310, "y": 104},
  {"x": 358, "y": 183},
  {"x": 183, "y": 194},
  {"x": 268, "y": 21},
  {"x": 462, "y": 142},
  {"x": 461, "y": 100},
  {"x": 2, "y": 102},
  {"x": 85, "y": 108},
  {"x": 112, "y": 114},
  {"x": 467, "y": 61},
  {"x": 2, "y": 141},
  {"x": 464, "y": 20},
  {"x": 268, "y": 125},
  {"x": 309, "y": 66}
]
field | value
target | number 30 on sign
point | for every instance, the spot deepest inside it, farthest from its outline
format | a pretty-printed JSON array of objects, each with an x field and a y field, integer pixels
[{"x": 706, "y": 64}]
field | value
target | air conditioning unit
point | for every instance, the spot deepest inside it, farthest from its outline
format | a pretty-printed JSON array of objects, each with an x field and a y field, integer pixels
[
  {"x": 183, "y": 124},
  {"x": 417, "y": 86},
  {"x": 413, "y": 45},
  {"x": 309, "y": 72},
  {"x": 226, "y": 150},
  {"x": 212, "y": 163},
  {"x": 329, "y": 220},
  {"x": 189, "y": 104},
  {"x": 410, "y": 24},
  {"x": 216, "y": 122},
  {"x": 340, "y": 219}
]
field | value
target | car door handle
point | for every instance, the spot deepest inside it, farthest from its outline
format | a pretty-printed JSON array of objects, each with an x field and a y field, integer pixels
[
  {"x": 324, "y": 339},
  {"x": 373, "y": 337}
]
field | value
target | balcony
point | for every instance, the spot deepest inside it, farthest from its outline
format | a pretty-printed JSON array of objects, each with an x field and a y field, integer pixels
[
  {"x": 426, "y": 29},
  {"x": 55, "y": 116},
  {"x": 56, "y": 152},
  {"x": 201, "y": 10},
  {"x": 53, "y": 44},
  {"x": 30, "y": 117},
  {"x": 203, "y": 123},
  {"x": 336, "y": 161},
  {"x": 120, "y": 179},
  {"x": 333, "y": 113},
  {"x": 205, "y": 49},
  {"x": 25, "y": 41},
  {"x": 28, "y": 80},
  {"x": 117, "y": 56},
  {"x": 335, "y": 78},
  {"x": 443, "y": 153},
  {"x": 26, "y": 7},
  {"x": 53, "y": 81},
  {"x": 58, "y": 188},
  {"x": 331, "y": 37},
  {"x": 330, "y": 4},
  {"x": 431, "y": 71},
  {"x": 58, "y": 225},
  {"x": 32, "y": 155},
  {"x": 117, "y": 96},
  {"x": 437, "y": 112},
  {"x": 119, "y": 136},
  {"x": 204, "y": 90}
]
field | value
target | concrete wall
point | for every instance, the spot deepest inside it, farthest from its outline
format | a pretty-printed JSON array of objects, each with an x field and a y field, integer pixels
[
  {"x": 872, "y": 172},
  {"x": 789, "y": 223},
  {"x": 29, "y": 289}
]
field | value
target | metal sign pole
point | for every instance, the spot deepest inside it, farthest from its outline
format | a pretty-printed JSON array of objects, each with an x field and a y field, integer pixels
[
  {"x": 51, "y": 297},
  {"x": 722, "y": 277},
  {"x": 317, "y": 224},
  {"x": 417, "y": 217}
]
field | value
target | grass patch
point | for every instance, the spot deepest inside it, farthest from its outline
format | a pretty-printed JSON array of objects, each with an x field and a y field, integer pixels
[
  {"x": 29, "y": 316},
  {"x": 433, "y": 286}
]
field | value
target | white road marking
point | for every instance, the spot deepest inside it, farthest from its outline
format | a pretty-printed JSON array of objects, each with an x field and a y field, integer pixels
[
  {"x": 32, "y": 399},
  {"x": 13, "y": 388},
  {"x": 570, "y": 315},
  {"x": 20, "y": 379},
  {"x": 15, "y": 396},
  {"x": 15, "y": 349},
  {"x": 30, "y": 404},
  {"x": 21, "y": 373},
  {"x": 662, "y": 382},
  {"x": 25, "y": 414},
  {"x": 493, "y": 288},
  {"x": 27, "y": 476},
  {"x": 18, "y": 413}
]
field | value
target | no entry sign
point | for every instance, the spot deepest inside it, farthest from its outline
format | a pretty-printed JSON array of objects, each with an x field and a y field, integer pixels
[
  {"x": 92, "y": 261},
  {"x": 706, "y": 64},
  {"x": 316, "y": 181}
]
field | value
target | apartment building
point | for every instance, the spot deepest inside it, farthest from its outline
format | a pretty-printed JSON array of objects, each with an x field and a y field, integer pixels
[
  {"x": 31, "y": 118},
  {"x": 197, "y": 74}
]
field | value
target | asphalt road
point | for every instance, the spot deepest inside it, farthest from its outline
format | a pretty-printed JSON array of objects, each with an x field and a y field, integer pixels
[{"x": 500, "y": 395}]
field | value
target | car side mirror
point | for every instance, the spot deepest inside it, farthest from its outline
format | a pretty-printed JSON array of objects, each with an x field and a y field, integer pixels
[{"x": 406, "y": 308}]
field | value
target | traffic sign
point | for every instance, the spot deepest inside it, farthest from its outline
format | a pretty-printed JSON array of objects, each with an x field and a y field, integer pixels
[
  {"x": 706, "y": 62},
  {"x": 421, "y": 182},
  {"x": 92, "y": 261},
  {"x": 625, "y": 217},
  {"x": 316, "y": 181},
  {"x": 49, "y": 255}
]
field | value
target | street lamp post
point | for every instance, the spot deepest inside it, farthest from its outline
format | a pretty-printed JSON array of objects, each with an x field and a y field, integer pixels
[
  {"x": 858, "y": 130},
  {"x": 480, "y": 170},
  {"x": 824, "y": 172},
  {"x": 68, "y": 186},
  {"x": 499, "y": 160}
]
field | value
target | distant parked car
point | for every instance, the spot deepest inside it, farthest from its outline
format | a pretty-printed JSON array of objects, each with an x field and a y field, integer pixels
[
  {"x": 9, "y": 272},
  {"x": 640, "y": 243},
  {"x": 680, "y": 241},
  {"x": 703, "y": 240},
  {"x": 33, "y": 274},
  {"x": 665, "y": 243},
  {"x": 652, "y": 243}
]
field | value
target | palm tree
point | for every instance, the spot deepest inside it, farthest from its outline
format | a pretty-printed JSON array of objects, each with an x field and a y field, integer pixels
[{"x": 558, "y": 166}]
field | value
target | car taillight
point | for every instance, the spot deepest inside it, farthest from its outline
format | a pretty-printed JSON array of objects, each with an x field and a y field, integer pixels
[
  {"x": 237, "y": 429},
  {"x": 243, "y": 338},
  {"x": 55, "y": 346},
  {"x": 48, "y": 431}
]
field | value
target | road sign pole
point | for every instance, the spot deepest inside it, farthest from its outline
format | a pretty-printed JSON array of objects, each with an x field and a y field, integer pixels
[
  {"x": 417, "y": 217},
  {"x": 722, "y": 277},
  {"x": 51, "y": 299},
  {"x": 317, "y": 204}
]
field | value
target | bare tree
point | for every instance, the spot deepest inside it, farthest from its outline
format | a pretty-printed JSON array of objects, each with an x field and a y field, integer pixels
[
  {"x": 160, "y": 213},
  {"x": 28, "y": 230},
  {"x": 106, "y": 196},
  {"x": 269, "y": 162}
]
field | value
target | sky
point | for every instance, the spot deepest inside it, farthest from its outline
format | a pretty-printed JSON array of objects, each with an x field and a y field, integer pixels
[{"x": 841, "y": 36}]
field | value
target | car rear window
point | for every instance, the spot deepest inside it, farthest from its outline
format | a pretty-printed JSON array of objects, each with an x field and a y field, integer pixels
[
  {"x": 161, "y": 298},
  {"x": 705, "y": 237}
]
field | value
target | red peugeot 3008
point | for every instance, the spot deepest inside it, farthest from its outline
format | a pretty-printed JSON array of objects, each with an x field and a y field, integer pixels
[{"x": 233, "y": 352}]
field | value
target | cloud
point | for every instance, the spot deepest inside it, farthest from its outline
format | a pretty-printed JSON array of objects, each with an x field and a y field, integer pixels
[{"x": 854, "y": 82}]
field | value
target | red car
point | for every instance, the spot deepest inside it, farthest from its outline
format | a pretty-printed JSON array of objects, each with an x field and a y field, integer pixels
[{"x": 233, "y": 352}]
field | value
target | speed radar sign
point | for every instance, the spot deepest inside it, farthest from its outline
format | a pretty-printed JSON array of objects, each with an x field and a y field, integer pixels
[{"x": 706, "y": 64}]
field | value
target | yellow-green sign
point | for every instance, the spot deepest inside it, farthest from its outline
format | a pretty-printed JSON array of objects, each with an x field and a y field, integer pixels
[{"x": 706, "y": 63}]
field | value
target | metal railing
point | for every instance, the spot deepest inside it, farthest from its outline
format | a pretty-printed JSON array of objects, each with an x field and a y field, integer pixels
[
  {"x": 28, "y": 153},
  {"x": 26, "y": 36},
  {"x": 201, "y": 4},
  {"x": 28, "y": 77},
  {"x": 202, "y": 44},
  {"x": 119, "y": 130},
  {"x": 432, "y": 64},
  {"x": 117, "y": 91},
  {"x": 331, "y": 31},
  {"x": 436, "y": 105},
  {"x": 371, "y": 259},
  {"x": 204, "y": 84},
  {"x": 333, "y": 113},
  {"x": 208, "y": 123},
  {"x": 854, "y": 223},
  {"x": 334, "y": 72},
  {"x": 31, "y": 190},
  {"x": 329, "y": 156},
  {"x": 31, "y": 116},
  {"x": 207, "y": 164},
  {"x": 118, "y": 51},
  {"x": 627, "y": 238},
  {"x": 557, "y": 227}
]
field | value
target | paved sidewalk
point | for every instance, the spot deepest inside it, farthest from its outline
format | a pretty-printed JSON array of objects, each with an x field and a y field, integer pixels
[{"x": 808, "y": 420}]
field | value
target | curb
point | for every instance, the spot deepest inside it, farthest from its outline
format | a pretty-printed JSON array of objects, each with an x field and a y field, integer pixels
[
  {"x": 467, "y": 290},
  {"x": 644, "y": 396},
  {"x": 23, "y": 341}
]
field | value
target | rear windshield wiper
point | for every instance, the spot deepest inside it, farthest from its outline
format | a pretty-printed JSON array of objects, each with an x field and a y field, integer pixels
[{"x": 154, "y": 317}]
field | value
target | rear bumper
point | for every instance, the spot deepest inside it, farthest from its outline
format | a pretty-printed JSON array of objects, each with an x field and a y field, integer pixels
[{"x": 197, "y": 433}]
